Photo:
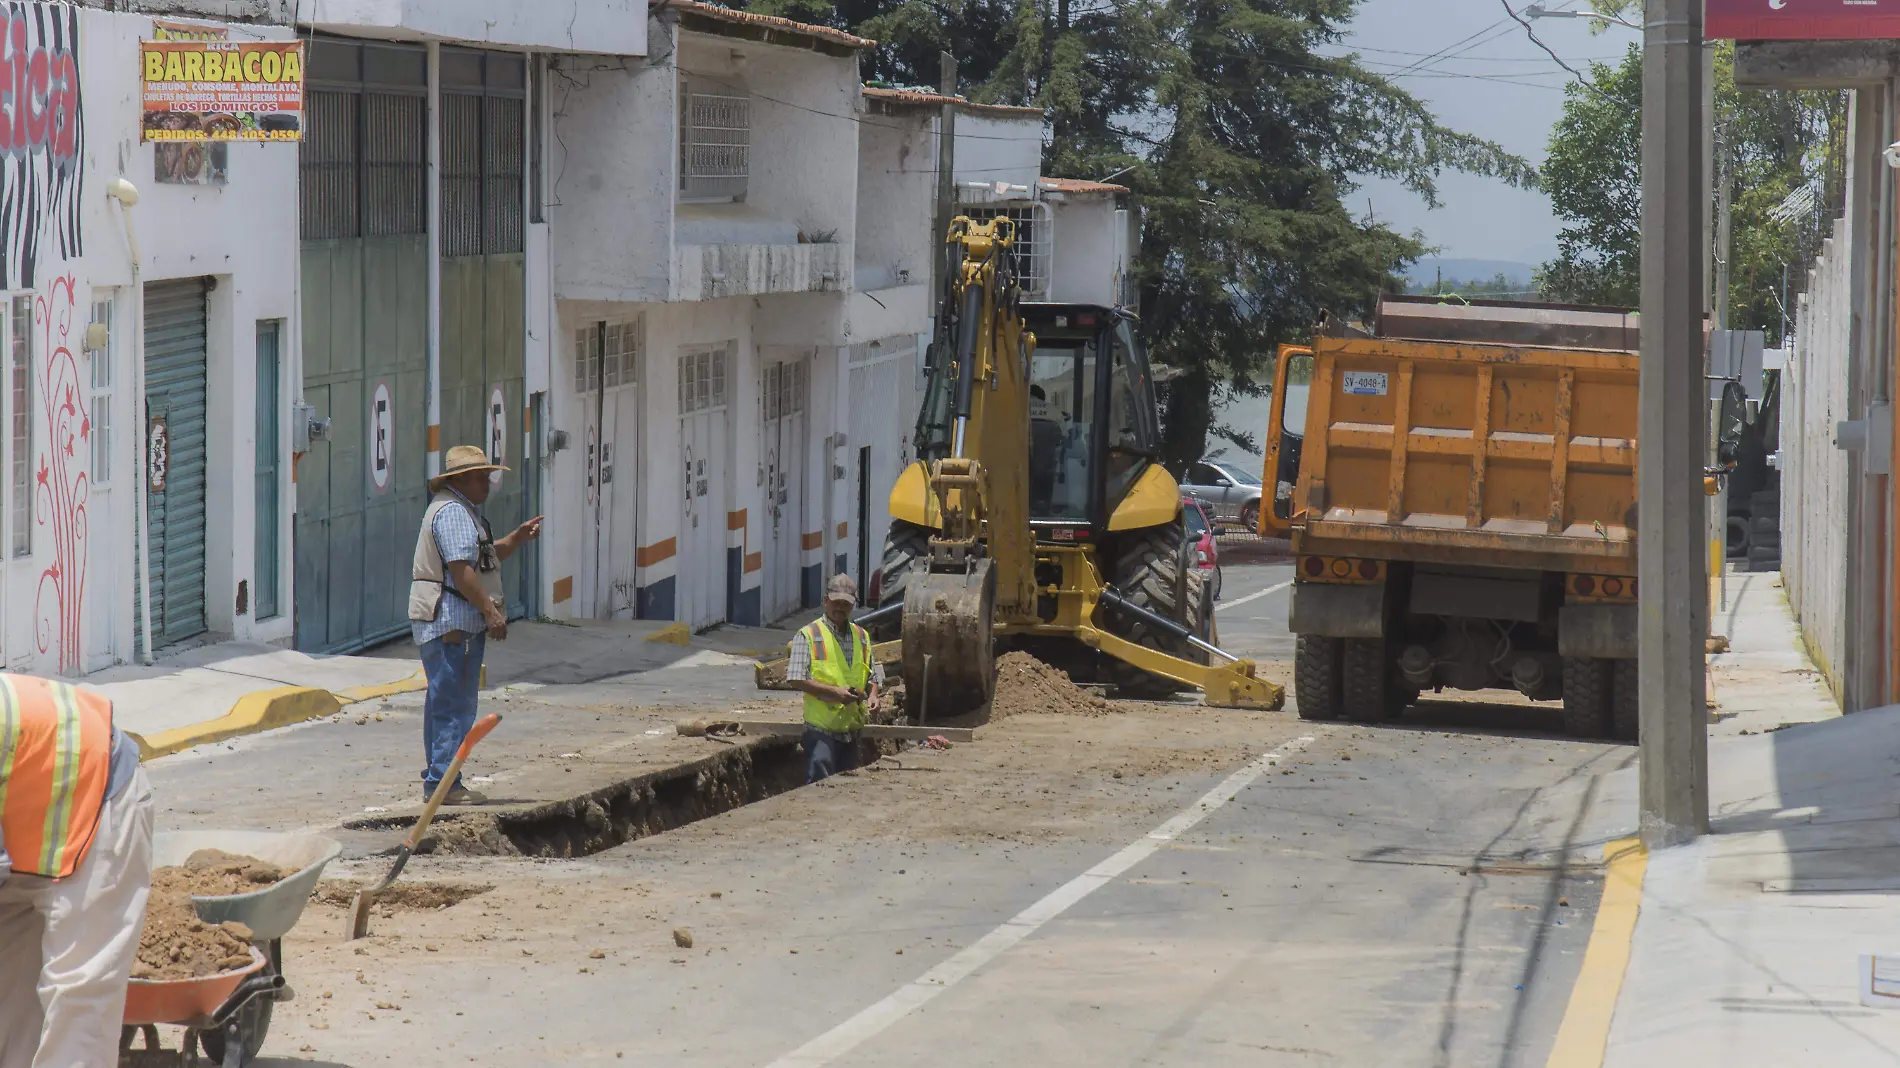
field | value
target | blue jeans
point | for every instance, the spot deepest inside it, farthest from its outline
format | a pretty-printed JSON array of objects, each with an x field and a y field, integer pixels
[
  {"x": 454, "y": 670},
  {"x": 827, "y": 754}
]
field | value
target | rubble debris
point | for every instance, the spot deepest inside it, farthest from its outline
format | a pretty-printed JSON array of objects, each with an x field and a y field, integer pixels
[
  {"x": 175, "y": 943},
  {"x": 1026, "y": 684}
]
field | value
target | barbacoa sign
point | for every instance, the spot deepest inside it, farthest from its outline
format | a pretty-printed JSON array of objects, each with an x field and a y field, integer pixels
[
  {"x": 1802, "y": 20},
  {"x": 222, "y": 90}
]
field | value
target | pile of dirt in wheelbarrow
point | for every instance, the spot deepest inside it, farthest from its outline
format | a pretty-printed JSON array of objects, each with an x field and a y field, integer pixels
[
  {"x": 176, "y": 944},
  {"x": 1025, "y": 684}
]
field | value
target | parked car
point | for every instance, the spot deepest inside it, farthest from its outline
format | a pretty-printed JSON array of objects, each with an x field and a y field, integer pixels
[
  {"x": 1206, "y": 552},
  {"x": 1230, "y": 492}
]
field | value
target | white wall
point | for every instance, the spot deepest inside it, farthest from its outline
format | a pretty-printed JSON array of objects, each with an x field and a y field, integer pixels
[
  {"x": 610, "y": 27},
  {"x": 897, "y": 189},
  {"x": 244, "y": 236},
  {"x": 1814, "y": 473},
  {"x": 1091, "y": 250},
  {"x": 994, "y": 148},
  {"x": 611, "y": 172}
]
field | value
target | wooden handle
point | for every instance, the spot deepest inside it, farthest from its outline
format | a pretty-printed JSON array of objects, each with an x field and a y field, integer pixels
[{"x": 475, "y": 734}]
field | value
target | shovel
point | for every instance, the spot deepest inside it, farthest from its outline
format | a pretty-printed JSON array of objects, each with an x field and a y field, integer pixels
[{"x": 359, "y": 909}]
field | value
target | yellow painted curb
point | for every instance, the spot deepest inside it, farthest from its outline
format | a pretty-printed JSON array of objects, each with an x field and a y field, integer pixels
[
  {"x": 267, "y": 710},
  {"x": 1585, "y": 1032},
  {"x": 673, "y": 634},
  {"x": 261, "y": 711},
  {"x": 411, "y": 684}
]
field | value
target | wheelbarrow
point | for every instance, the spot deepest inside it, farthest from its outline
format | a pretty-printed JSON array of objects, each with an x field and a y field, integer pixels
[{"x": 227, "y": 1015}]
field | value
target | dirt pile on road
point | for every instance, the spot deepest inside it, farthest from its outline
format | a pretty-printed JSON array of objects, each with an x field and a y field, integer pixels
[
  {"x": 1025, "y": 684},
  {"x": 176, "y": 944}
]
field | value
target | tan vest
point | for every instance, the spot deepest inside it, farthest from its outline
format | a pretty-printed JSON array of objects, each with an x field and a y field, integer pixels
[{"x": 427, "y": 575}]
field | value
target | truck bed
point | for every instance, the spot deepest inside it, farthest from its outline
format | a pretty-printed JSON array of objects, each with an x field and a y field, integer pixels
[{"x": 1471, "y": 447}]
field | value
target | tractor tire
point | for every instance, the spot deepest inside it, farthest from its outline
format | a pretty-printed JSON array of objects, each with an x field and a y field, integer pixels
[
  {"x": 1764, "y": 558},
  {"x": 1624, "y": 721},
  {"x": 1147, "y": 571},
  {"x": 1765, "y": 503},
  {"x": 1587, "y": 697},
  {"x": 1366, "y": 690},
  {"x": 1738, "y": 541},
  {"x": 1765, "y": 528},
  {"x": 906, "y": 549},
  {"x": 1316, "y": 677}
]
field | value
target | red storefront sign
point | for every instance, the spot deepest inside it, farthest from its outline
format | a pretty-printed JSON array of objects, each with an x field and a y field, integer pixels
[{"x": 1802, "y": 20}]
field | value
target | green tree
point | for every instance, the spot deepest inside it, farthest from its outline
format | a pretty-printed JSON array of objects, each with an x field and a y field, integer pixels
[
  {"x": 1771, "y": 146},
  {"x": 1242, "y": 137}
]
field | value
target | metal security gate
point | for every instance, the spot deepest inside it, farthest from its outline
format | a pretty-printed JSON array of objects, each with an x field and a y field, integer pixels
[
  {"x": 607, "y": 359},
  {"x": 484, "y": 288},
  {"x": 175, "y": 453},
  {"x": 702, "y": 541},
  {"x": 884, "y": 403},
  {"x": 783, "y": 445},
  {"x": 360, "y": 495}
]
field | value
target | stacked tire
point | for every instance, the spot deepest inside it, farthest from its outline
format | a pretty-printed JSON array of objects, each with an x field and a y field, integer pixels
[{"x": 1764, "y": 530}]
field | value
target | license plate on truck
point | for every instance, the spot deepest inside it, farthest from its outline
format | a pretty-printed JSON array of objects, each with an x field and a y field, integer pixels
[{"x": 1363, "y": 383}]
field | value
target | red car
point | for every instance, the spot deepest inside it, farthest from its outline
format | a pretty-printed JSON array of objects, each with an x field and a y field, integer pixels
[{"x": 1206, "y": 553}]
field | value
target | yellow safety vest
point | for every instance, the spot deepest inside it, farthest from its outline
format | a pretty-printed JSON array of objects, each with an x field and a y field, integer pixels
[
  {"x": 55, "y": 758},
  {"x": 828, "y": 666}
]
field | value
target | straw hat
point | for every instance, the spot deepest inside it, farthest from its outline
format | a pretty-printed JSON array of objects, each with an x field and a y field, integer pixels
[{"x": 460, "y": 461}]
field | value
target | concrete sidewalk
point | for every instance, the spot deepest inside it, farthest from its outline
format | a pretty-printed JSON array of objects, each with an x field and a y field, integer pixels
[
  {"x": 1747, "y": 943},
  {"x": 217, "y": 692}
]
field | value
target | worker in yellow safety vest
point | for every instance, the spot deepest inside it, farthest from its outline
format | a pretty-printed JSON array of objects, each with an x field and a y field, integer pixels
[
  {"x": 75, "y": 868},
  {"x": 831, "y": 662}
]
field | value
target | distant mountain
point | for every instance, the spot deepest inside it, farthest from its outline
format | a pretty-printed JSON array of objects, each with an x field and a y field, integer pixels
[{"x": 1426, "y": 271}]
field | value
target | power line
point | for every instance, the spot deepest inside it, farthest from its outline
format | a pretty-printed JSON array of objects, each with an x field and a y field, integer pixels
[{"x": 1532, "y": 34}]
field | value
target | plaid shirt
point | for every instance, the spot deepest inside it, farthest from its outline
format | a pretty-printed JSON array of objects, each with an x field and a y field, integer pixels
[
  {"x": 798, "y": 669},
  {"x": 457, "y": 537}
]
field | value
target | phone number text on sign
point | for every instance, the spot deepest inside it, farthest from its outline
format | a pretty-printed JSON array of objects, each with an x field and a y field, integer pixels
[{"x": 222, "y": 90}]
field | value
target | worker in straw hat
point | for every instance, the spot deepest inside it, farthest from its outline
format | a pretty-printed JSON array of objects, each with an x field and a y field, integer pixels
[
  {"x": 455, "y": 604},
  {"x": 831, "y": 662}
]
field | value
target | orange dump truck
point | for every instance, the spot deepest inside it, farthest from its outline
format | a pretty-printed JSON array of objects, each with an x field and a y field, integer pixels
[{"x": 1460, "y": 489}]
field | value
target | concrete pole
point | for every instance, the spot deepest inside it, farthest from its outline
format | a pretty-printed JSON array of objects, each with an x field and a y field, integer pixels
[
  {"x": 1672, "y": 430},
  {"x": 946, "y": 175}
]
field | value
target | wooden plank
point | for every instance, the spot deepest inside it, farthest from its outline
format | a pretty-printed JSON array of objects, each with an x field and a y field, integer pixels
[
  {"x": 1560, "y": 450},
  {"x": 879, "y": 731}
]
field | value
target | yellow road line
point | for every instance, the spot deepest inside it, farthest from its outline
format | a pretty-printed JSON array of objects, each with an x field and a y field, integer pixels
[{"x": 1585, "y": 1032}]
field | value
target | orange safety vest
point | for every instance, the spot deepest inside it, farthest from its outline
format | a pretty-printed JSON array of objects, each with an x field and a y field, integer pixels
[{"x": 55, "y": 758}]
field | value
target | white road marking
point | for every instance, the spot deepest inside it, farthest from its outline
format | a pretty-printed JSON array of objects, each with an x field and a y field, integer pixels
[
  {"x": 1238, "y": 601},
  {"x": 875, "y": 1019}
]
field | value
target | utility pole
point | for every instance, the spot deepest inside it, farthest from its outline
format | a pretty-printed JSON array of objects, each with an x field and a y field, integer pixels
[
  {"x": 946, "y": 173},
  {"x": 1672, "y": 430}
]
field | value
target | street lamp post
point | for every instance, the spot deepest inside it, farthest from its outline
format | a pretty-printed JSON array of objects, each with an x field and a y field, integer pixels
[{"x": 1539, "y": 11}]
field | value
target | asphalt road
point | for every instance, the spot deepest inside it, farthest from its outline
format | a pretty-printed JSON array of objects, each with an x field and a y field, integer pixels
[{"x": 1163, "y": 885}]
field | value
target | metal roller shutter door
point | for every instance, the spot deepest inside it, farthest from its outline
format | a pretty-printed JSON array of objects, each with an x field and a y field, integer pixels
[{"x": 175, "y": 397}]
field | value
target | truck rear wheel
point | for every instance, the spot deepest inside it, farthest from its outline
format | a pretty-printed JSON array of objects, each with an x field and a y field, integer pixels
[
  {"x": 1367, "y": 694},
  {"x": 1624, "y": 722},
  {"x": 906, "y": 549},
  {"x": 1586, "y": 696},
  {"x": 1148, "y": 572},
  {"x": 1316, "y": 677}
]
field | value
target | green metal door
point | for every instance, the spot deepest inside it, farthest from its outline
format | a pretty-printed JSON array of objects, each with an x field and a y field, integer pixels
[
  {"x": 360, "y": 495},
  {"x": 484, "y": 295},
  {"x": 264, "y": 566},
  {"x": 175, "y": 443}
]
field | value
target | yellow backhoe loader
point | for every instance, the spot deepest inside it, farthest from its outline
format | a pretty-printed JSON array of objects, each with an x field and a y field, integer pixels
[{"x": 1037, "y": 515}]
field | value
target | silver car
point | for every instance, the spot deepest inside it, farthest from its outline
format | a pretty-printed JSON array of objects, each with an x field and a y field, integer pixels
[{"x": 1230, "y": 492}]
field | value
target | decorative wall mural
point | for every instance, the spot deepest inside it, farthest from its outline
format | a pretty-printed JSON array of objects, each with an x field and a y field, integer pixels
[
  {"x": 63, "y": 484},
  {"x": 42, "y": 137}
]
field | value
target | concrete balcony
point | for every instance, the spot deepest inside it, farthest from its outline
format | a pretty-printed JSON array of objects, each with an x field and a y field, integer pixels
[{"x": 708, "y": 272}]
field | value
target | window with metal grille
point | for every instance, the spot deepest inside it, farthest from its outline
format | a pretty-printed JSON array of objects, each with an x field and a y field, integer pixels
[
  {"x": 363, "y": 162},
  {"x": 605, "y": 358},
  {"x": 1035, "y": 240},
  {"x": 715, "y": 144},
  {"x": 20, "y": 368},
  {"x": 703, "y": 378},
  {"x": 783, "y": 389},
  {"x": 484, "y": 110},
  {"x": 101, "y": 413}
]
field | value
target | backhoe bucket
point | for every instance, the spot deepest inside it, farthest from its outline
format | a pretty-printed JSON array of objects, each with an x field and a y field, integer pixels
[{"x": 949, "y": 647}]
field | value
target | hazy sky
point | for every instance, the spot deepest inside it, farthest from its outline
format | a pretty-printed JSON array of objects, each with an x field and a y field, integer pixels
[{"x": 1479, "y": 218}]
